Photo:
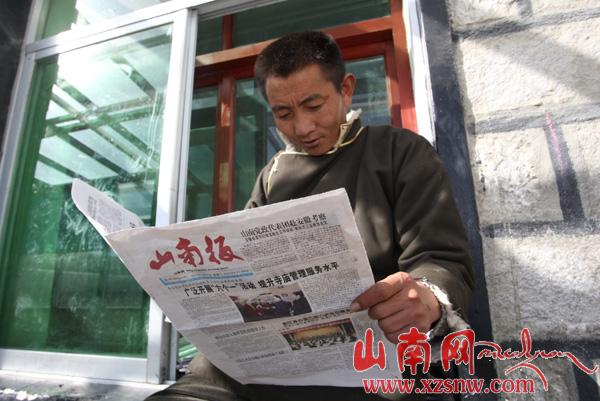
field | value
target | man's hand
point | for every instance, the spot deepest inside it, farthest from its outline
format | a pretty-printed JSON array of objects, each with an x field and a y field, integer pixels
[{"x": 398, "y": 303}]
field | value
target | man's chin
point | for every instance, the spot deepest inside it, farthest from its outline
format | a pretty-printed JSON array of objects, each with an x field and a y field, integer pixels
[{"x": 319, "y": 151}]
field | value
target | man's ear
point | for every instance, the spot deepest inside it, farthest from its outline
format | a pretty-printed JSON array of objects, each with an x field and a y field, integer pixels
[{"x": 347, "y": 89}]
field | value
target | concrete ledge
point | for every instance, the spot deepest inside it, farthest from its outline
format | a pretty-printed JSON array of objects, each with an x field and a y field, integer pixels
[{"x": 26, "y": 386}]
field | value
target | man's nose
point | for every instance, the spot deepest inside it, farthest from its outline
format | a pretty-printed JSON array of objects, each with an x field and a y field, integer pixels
[{"x": 304, "y": 125}]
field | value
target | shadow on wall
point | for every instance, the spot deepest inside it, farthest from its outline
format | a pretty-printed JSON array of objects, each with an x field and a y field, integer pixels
[
  {"x": 532, "y": 63},
  {"x": 547, "y": 282}
]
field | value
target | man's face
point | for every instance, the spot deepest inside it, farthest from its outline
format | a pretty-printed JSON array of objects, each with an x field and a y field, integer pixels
[{"x": 308, "y": 109}]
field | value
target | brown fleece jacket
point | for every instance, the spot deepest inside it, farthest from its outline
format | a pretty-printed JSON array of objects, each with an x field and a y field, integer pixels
[{"x": 401, "y": 199}]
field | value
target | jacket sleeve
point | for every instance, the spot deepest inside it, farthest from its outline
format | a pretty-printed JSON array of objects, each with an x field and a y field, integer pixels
[{"x": 432, "y": 240}]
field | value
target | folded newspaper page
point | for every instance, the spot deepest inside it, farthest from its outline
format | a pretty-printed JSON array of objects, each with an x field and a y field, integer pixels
[{"x": 263, "y": 293}]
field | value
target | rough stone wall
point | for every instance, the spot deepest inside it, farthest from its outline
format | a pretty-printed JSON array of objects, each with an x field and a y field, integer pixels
[{"x": 529, "y": 72}]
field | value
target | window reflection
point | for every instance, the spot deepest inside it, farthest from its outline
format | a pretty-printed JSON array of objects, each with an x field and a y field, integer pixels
[
  {"x": 102, "y": 120},
  {"x": 256, "y": 139},
  {"x": 201, "y": 155},
  {"x": 370, "y": 93},
  {"x": 63, "y": 15},
  {"x": 275, "y": 20}
]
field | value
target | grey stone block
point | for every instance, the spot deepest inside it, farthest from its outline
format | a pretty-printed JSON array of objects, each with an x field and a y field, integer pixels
[
  {"x": 542, "y": 66},
  {"x": 545, "y": 283},
  {"x": 514, "y": 178},
  {"x": 557, "y": 281},
  {"x": 465, "y": 13},
  {"x": 583, "y": 142},
  {"x": 541, "y": 7},
  {"x": 504, "y": 309}
]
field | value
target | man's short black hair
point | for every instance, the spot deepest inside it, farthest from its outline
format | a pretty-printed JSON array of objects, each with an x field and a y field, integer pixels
[{"x": 295, "y": 51}]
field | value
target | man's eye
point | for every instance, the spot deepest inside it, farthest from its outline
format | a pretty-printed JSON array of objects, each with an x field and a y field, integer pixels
[
  {"x": 283, "y": 116},
  {"x": 314, "y": 107}
]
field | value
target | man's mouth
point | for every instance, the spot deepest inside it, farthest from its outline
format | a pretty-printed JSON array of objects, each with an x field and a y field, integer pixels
[{"x": 311, "y": 144}]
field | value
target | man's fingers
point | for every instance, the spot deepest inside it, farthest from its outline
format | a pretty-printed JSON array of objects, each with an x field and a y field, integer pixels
[
  {"x": 395, "y": 322},
  {"x": 402, "y": 321},
  {"x": 393, "y": 337},
  {"x": 381, "y": 290},
  {"x": 398, "y": 303},
  {"x": 394, "y": 304}
]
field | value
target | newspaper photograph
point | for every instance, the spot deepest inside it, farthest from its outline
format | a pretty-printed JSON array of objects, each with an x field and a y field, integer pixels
[{"x": 263, "y": 293}]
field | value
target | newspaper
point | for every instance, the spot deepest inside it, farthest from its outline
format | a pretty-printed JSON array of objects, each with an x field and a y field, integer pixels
[{"x": 263, "y": 293}]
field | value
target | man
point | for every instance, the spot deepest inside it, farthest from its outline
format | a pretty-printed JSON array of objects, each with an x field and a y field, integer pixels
[
  {"x": 283, "y": 307},
  {"x": 397, "y": 187},
  {"x": 300, "y": 304},
  {"x": 266, "y": 306}
]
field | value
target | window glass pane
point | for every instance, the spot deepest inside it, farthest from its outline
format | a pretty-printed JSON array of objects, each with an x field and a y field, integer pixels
[
  {"x": 370, "y": 94},
  {"x": 201, "y": 154},
  {"x": 198, "y": 202},
  {"x": 96, "y": 114},
  {"x": 210, "y": 36},
  {"x": 273, "y": 21},
  {"x": 63, "y": 15},
  {"x": 256, "y": 140}
]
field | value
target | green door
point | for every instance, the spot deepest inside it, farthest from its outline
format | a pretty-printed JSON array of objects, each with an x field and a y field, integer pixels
[{"x": 94, "y": 113}]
